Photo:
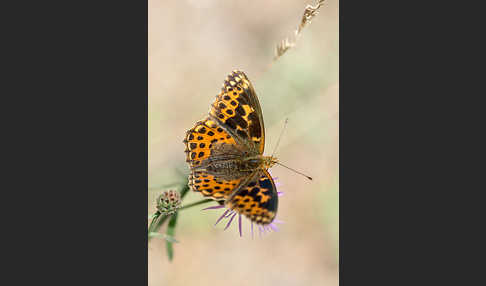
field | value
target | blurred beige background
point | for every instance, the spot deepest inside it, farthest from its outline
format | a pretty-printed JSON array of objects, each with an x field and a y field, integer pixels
[{"x": 193, "y": 45}]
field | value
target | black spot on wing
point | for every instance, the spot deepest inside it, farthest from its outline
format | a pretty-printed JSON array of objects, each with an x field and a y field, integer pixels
[
  {"x": 253, "y": 193},
  {"x": 243, "y": 192},
  {"x": 272, "y": 203},
  {"x": 242, "y": 134},
  {"x": 231, "y": 123},
  {"x": 255, "y": 130},
  {"x": 242, "y": 100},
  {"x": 240, "y": 110},
  {"x": 240, "y": 121},
  {"x": 266, "y": 184}
]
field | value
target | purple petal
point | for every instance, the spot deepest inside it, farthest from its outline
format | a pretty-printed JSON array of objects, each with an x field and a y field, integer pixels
[
  {"x": 260, "y": 228},
  {"x": 229, "y": 223},
  {"x": 274, "y": 227},
  {"x": 278, "y": 221},
  {"x": 280, "y": 194},
  {"x": 221, "y": 217},
  {"x": 239, "y": 223},
  {"x": 275, "y": 178},
  {"x": 251, "y": 230},
  {"x": 278, "y": 184},
  {"x": 213, "y": 207},
  {"x": 229, "y": 214}
]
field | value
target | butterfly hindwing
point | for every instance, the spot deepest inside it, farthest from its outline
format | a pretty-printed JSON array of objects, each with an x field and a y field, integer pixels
[
  {"x": 238, "y": 110},
  {"x": 257, "y": 200},
  {"x": 212, "y": 186}
]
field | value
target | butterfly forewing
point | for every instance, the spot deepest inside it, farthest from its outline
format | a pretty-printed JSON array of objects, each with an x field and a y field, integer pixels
[
  {"x": 202, "y": 139},
  {"x": 238, "y": 111}
]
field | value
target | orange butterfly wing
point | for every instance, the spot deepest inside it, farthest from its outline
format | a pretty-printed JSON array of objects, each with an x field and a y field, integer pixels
[
  {"x": 257, "y": 200},
  {"x": 238, "y": 111}
]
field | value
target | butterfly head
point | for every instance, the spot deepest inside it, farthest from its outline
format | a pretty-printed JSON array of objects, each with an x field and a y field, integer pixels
[{"x": 268, "y": 161}]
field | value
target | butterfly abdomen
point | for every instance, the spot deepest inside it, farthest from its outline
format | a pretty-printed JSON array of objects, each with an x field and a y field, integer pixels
[
  {"x": 231, "y": 165},
  {"x": 234, "y": 168}
]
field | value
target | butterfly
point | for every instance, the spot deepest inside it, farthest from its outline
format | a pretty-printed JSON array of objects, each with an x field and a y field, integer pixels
[{"x": 225, "y": 153}]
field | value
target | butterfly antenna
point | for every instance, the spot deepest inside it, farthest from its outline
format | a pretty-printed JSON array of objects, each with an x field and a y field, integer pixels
[
  {"x": 310, "y": 178},
  {"x": 280, "y": 136}
]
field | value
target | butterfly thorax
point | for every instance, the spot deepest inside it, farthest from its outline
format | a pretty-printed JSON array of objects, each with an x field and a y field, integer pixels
[{"x": 260, "y": 162}]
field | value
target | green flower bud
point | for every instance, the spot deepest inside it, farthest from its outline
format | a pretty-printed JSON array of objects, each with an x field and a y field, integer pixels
[{"x": 168, "y": 202}]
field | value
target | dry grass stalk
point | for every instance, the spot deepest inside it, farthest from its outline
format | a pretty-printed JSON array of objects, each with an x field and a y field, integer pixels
[{"x": 289, "y": 42}]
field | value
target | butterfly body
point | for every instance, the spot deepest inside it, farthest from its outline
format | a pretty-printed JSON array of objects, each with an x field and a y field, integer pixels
[
  {"x": 237, "y": 167},
  {"x": 225, "y": 153}
]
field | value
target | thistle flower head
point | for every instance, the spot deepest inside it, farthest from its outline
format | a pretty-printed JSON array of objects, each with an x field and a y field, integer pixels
[{"x": 168, "y": 202}]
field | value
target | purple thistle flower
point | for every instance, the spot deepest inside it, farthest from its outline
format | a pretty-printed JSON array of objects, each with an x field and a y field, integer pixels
[
  {"x": 239, "y": 224},
  {"x": 221, "y": 217},
  {"x": 232, "y": 214},
  {"x": 229, "y": 222}
]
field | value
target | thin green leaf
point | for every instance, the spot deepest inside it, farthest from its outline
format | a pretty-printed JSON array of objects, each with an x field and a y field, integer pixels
[
  {"x": 171, "y": 239},
  {"x": 157, "y": 221},
  {"x": 164, "y": 236},
  {"x": 170, "y": 233}
]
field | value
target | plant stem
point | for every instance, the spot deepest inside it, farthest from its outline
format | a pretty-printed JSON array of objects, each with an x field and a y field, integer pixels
[
  {"x": 170, "y": 233},
  {"x": 156, "y": 221},
  {"x": 196, "y": 203}
]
